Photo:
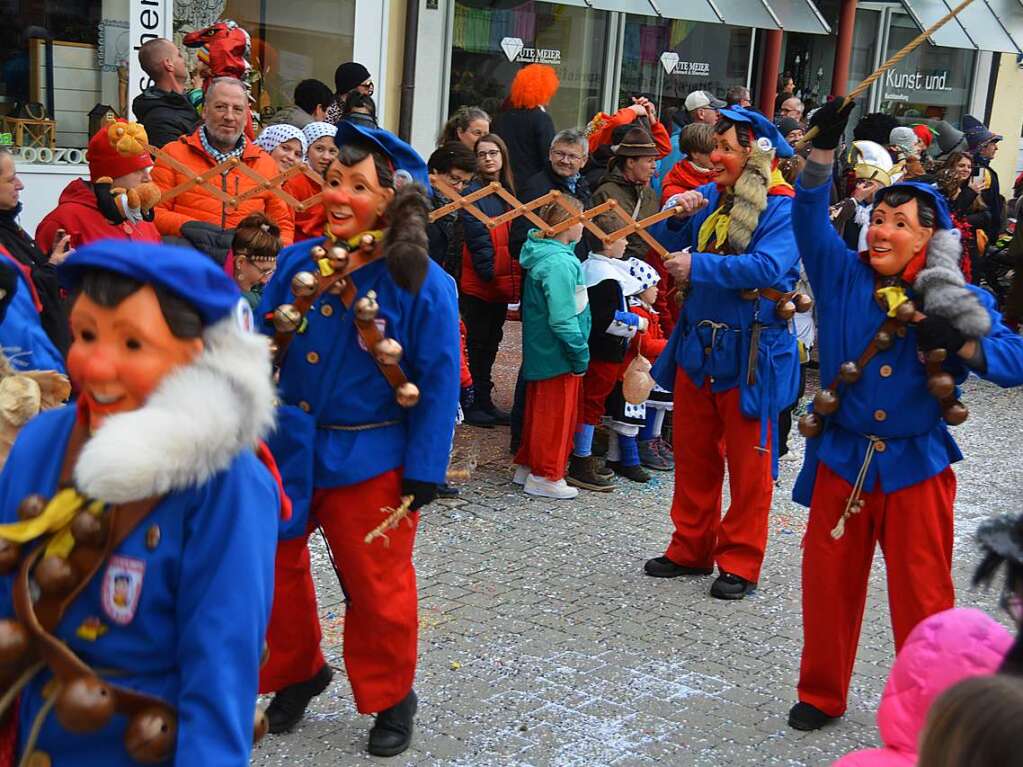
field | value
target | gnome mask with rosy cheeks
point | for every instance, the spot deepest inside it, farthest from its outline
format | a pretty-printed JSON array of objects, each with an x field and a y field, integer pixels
[
  {"x": 912, "y": 236},
  {"x": 173, "y": 381},
  {"x": 363, "y": 193}
]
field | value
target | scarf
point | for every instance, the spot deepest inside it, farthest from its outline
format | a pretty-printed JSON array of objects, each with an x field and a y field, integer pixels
[{"x": 216, "y": 154}]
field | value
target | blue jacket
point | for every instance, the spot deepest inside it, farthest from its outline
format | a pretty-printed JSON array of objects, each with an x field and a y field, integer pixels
[
  {"x": 195, "y": 635},
  {"x": 328, "y": 374},
  {"x": 721, "y": 351},
  {"x": 22, "y": 336},
  {"x": 476, "y": 235},
  {"x": 890, "y": 400}
]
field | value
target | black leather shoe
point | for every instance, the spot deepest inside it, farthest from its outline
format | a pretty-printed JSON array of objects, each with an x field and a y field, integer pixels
[
  {"x": 447, "y": 491},
  {"x": 501, "y": 418},
  {"x": 289, "y": 705},
  {"x": 477, "y": 416},
  {"x": 392, "y": 730},
  {"x": 806, "y": 717},
  {"x": 728, "y": 586},
  {"x": 662, "y": 567},
  {"x": 635, "y": 473}
]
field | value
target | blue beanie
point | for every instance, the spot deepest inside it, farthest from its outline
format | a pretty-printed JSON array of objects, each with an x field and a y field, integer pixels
[
  {"x": 188, "y": 274},
  {"x": 766, "y": 132}
]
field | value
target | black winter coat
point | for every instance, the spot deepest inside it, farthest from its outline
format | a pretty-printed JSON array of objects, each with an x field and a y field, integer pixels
[
  {"x": 538, "y": 185},
  {"x": 166, "y": 116},
  {"x": 476, "y": 236},
  {"x": 528, "y": 134}
]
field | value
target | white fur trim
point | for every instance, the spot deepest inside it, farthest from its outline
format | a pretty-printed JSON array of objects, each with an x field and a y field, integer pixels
[{"x": 192, "y": 427}]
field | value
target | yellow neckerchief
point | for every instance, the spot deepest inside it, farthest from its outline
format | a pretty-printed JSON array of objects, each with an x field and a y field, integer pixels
[
  {"x": 56, "y": 518},
  {"x": 894, "y": 296},
  {"x": 356, "y": 241},
  {"x": 716, "y": 224}
]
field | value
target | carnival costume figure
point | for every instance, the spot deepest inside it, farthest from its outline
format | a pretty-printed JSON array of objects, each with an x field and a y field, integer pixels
[
  {"x": 366, "y": 327},
  {"x": 898, "y": 330},
  {"x": 137, "y": 535},
  {"x": 732, "y": 360}
]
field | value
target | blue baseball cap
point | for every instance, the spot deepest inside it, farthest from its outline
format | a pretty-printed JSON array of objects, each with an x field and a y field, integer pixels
[
  {"x": 934, "y": 196},
  {"x": 401, "y": 154},
  {"x": 766, "y": 132},
  {"x": 188, "y": 274}
]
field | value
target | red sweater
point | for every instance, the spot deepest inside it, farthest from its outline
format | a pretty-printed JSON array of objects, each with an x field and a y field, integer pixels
[
  {"x": 683, "y": 177},
  {"x": 650, "y": 343}
]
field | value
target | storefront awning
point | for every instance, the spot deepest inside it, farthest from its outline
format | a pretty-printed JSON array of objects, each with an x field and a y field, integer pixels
[
  {"x": 985, "y": 25},
  {"x": 790, "y": 15}
]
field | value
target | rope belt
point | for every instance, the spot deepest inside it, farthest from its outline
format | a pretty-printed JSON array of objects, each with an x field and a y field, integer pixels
[{"x": 854, "y": 503}]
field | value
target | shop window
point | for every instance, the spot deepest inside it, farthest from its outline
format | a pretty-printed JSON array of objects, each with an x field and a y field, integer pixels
[
  {"x": 670, "y": 58},
  {"x": 493, "y": 39},
  {"x": 58, "y": 43},
  {"x": 293, "y": 41},
  {"x": 930, "y": 82}
]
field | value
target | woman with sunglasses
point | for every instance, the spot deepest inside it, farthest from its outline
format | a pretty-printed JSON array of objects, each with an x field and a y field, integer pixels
[{"x": 490, "y": 279}]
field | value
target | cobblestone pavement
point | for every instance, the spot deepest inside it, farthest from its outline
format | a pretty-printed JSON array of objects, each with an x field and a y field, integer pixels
[{"x": 542, "y": 643}]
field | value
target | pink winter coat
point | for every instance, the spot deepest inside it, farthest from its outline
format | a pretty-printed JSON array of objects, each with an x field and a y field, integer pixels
[{"x": 942, "y": 650}]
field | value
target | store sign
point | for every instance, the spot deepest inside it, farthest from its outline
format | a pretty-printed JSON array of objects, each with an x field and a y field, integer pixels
[
  {"x": 917, "y": 81},
  {"x": 517, "y": 51},
  {"x": 674, "y": 66},
  {"x": 149, "y": 20}
]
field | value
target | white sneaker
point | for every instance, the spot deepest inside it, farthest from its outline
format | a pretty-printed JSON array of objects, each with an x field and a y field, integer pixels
[
  {"x": 521, "y": 474},
  {"x": 545, "y": 488}
]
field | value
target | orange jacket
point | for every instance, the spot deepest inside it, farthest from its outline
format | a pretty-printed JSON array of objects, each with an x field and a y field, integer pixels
[
  {"x": 197, "y": 204},
  {"x": 651, "y": 343},
  {"x": 308, "y": 223}
]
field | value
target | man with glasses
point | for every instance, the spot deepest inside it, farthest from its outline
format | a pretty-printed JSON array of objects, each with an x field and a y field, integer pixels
[
  {"x": 454, "y": 164},
  {"x": 562, "y": 171}
]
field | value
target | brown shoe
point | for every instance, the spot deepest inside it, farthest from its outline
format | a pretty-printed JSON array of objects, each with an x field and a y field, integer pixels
[{"x": 583, "y": 472}]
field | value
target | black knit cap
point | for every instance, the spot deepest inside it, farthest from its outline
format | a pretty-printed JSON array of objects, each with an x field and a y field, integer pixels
[{"x": 349, "y": 75}]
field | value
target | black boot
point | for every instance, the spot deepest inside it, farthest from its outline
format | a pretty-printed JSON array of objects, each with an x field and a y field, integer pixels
[
  {"x": 289, "y": 705},
  {"x": 635, "y": 473},
  {"x": 477, "y": 416},
  {"x": 662, "y": 567},
  {"x": 806, "y": 717},
  {"x": 501, "y": 418},
  {"x": 729, "y": 586},
  {"x": 392, "y": 730}
]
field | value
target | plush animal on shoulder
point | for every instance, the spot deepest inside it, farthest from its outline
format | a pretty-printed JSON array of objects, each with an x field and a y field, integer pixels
[{"x": 23, "y": 395}]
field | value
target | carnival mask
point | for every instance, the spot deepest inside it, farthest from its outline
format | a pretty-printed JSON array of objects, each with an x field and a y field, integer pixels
[
  {"x": 895, "y": 236},
  {"x": 353, "y": 198},
  {"x": 728, "y": 159},
  {"x": 119, "y": 355}
]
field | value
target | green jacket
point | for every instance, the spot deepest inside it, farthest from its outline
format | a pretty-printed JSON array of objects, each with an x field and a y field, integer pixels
[{"x": 555, "y": 310}]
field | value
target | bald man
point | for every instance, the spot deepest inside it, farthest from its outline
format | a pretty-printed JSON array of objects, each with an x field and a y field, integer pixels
[
  {"x": 162, "y": 107},
  {"x": 792, "y": 107}
]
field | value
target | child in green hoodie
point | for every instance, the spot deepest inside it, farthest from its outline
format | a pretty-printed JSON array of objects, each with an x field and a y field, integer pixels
[{"x": 555, "y": 351}]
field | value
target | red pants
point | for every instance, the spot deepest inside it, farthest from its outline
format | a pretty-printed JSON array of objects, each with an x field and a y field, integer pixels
[
  {"x": 549, "y": 425},
  {"x": 709, "y": 427},
  {"x": 914, "y": 528},
  {"x": 381, "y": 612},
  {"x": 598, "y": 382}
]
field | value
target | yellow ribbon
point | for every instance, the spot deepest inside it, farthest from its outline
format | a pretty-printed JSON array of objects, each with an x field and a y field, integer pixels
[
  {"x": 894, "y": 295},
  {"x": 56, "y": 518},
  {"x": 716, "y": 224}
]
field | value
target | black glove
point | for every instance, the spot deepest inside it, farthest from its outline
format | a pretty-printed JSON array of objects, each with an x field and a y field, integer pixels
[
  {"x": 830, "y": 121},
  {"x": 934, "y": 332},
  {"x": 422, "y": 492}
]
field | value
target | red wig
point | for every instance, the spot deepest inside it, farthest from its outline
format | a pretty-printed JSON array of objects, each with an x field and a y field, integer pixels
[{"x": 533, "y": 86}]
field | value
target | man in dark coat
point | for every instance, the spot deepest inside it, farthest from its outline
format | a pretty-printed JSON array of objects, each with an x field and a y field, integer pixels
[
  {"x": 162, "y": 108},
  {"x": 628, "y": 182},
  {"x": 983, "y": 146},
  {"x": 563, "y": 172}
]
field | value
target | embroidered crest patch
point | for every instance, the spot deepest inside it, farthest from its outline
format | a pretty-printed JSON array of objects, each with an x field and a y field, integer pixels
[{"x": 122, "y": 588}]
